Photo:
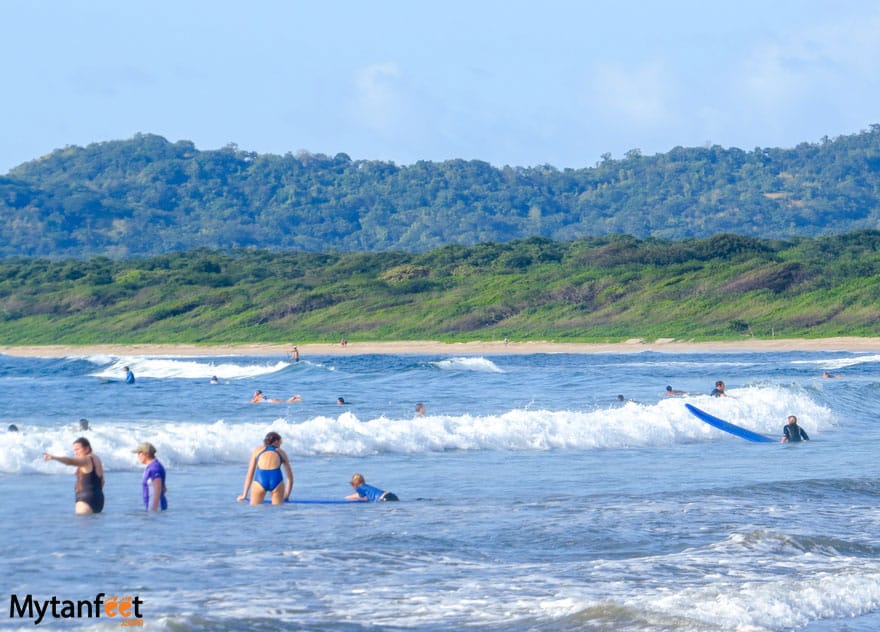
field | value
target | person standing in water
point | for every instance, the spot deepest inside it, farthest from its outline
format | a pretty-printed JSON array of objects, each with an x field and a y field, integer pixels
[
  {"x": 129, "y": 376},
  {"x": 792, "y": 432},
  {"x": 89, "y": 476},
  {"x": 264, "y": 473},
  {"x": 153, "y": 485}
]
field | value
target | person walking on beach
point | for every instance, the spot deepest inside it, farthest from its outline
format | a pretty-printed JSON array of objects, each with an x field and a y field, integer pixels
[
  {"x": 792, "y": 432},
  {"x": 368, "y": 493},
  {"x": 153, "y": 485},
  {"x": 89, "y": 476},
  {"x": 264, "y": 473}
]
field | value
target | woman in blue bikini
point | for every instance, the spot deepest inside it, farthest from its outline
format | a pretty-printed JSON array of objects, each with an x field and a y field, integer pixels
[{"x": 264, "y": 473}]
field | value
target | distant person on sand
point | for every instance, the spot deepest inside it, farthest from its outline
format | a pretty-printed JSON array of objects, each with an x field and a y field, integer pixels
[
  {"x": 89, "y": 476},
  {"x": 129, "y": 376},
  {"x": 792, "y": 432},
  {"x": 719, "y": 390},
  {"x": 264, "y": 474},
  {"x": 671, "y": 392},
  {"x": 368, "y": 493}
]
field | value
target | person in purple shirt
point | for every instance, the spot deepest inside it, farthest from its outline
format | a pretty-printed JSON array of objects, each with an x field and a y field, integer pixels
[
  {"x": 365, "y": 493},
  {"x": 154, "y": 478}
]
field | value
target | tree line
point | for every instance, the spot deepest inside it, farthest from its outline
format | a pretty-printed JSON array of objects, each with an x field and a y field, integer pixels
[{"x": 147, "y": 196}]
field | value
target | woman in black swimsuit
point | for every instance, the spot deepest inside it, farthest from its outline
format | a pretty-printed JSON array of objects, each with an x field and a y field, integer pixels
[{"x": 89, "y": 476}]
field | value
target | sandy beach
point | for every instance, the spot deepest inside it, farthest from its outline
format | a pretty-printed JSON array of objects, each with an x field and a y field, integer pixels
[{"x": 423, "y": 347}]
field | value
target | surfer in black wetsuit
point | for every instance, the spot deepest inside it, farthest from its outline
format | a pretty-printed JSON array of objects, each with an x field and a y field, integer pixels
[{"x": 792, "y": 432}]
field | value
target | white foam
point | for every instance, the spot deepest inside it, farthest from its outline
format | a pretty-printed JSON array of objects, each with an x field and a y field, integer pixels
[
  {"x": 479, "y": 364},
  {"x": 160, "y": 368},
  {"x": 667, "y": 422}
]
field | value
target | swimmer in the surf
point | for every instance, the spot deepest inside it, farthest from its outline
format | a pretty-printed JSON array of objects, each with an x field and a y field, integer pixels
[
  {"x": 671, "y": 392},
  {"x": 259, "y": 398},
  {"x": 264, "y": 474}
]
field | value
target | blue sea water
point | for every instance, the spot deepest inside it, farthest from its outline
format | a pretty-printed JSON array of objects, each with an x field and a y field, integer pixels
[{"x": 531, "y": 497}]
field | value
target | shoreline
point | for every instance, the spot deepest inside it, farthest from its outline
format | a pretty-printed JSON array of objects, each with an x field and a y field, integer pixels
[{"x": 428, "y": 347}]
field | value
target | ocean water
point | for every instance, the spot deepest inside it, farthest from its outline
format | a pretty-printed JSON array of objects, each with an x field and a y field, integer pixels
[{"x": 531, "y": 497}]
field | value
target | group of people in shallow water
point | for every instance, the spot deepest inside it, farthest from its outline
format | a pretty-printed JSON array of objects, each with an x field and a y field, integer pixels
[
  {"x": 269, "y": 474},
  {"x": 89, "y": 487},
  {"x": 791, "y": 432}
]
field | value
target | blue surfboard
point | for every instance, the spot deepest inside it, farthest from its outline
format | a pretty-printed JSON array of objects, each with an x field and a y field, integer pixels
[
  {"x": 726, "y": 426},
  {"x": 316, "y": 501}
]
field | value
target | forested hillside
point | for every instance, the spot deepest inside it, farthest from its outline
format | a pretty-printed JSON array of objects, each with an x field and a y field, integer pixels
[
  {"x": 147, "y": 196},
  {"x": 601, "y": 288}
]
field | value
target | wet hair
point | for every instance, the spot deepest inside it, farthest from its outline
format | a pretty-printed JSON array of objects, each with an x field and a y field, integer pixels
[
  {"x": 272, "y": 437},
  {"x": 83, "y": 424},
  {"x": 84, "y": 443},
  {"x": 358, "y": 479},
  {"x": 12, "y": 428}
]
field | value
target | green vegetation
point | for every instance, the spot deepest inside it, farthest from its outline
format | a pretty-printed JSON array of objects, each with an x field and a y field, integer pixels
[
  {"x": 146, "y": 196},
  {"x": 593, "y": 289}
]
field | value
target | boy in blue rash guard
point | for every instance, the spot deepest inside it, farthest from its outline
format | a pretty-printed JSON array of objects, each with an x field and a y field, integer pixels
[{"x": 368, "y": 493}]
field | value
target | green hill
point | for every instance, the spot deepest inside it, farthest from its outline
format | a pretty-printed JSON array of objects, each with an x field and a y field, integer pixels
[
  {"x": 146, "y": 196},
  {"x": 593, "y": 289}
]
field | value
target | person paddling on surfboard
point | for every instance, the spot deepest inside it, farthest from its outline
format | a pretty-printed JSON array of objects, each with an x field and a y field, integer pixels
[
  {"x": 792, "y": 432},
  {"x": 368, "y": 493}
]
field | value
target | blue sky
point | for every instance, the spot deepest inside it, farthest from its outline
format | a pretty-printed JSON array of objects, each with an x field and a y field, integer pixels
[{"x": 510, "y": 82}]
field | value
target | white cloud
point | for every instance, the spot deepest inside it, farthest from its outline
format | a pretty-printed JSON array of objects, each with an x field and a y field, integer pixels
[
  {"x": 378, "y": 98},
  {"x": 637, "y": 96}
]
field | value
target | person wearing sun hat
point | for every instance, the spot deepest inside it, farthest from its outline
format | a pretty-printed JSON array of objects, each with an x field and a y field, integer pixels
[{"x": 154, "y": 478}]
